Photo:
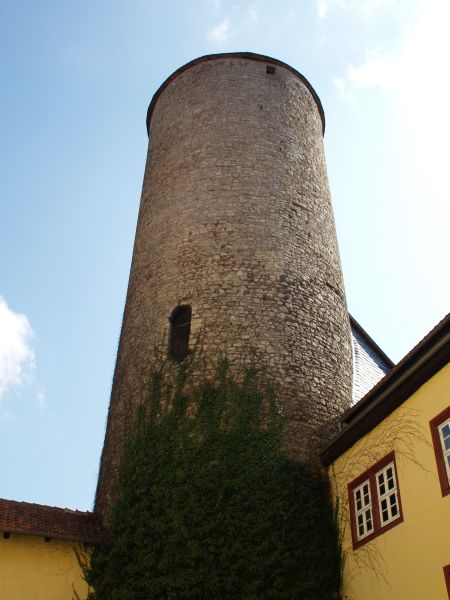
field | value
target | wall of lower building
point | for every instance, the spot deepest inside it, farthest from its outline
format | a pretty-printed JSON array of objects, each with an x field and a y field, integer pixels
[
  {"x": 407, "y": 560},
  {"x": 32, "y": 569}
]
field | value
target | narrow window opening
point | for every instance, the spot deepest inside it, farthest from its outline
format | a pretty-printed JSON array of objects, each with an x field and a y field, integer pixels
[
  {"x": 270, "y": 70},
  {"x": 180, "y": 329},
  {"x": 6, "y": 535}
]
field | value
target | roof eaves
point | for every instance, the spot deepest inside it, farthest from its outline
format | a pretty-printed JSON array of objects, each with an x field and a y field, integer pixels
[
  {"x": 49, "y": 521},
  {"x": 89, "y": 539}
]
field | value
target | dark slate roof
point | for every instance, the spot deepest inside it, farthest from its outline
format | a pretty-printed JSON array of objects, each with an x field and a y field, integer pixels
[
  {"x": 49, "y": 521},
  {"x": 430, "y": 355},
  {"x": 370, "y": 363}
]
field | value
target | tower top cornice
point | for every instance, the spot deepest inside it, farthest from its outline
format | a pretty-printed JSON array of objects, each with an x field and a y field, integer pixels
[{"x": 228, "y": 55}]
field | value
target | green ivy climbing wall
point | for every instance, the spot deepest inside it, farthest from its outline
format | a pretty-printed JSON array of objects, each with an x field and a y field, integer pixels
[{"x": 211, "y": 507}]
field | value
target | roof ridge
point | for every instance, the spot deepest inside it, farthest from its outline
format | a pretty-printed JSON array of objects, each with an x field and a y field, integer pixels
[{"x": 63, "y": 508}]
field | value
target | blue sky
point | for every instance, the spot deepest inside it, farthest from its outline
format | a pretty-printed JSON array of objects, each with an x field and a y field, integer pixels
[{"x": 77, "y": 78}]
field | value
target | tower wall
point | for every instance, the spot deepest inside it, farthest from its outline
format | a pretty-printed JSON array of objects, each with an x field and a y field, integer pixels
[{"x": 236, "y": 221}]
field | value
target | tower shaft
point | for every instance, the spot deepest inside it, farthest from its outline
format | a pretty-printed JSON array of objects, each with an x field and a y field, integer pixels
[{"x": 236, "y": 223}]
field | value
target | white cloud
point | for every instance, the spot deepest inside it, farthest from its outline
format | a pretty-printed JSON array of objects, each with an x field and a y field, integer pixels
[
  {"x": 40, "y": 398},
  {"x": 345, "y": 90},
  {"x": 17, "y": 357},
  {"x": 379, "y": 69},
  {"x": 253, "y": 14},
  {"x": 414, "y": 76},
  {"x": 366, "y": 9},
  {"x": 221, "y": 32},
  {"x": 288, "y": 17},
  {"x": 414, "y": 80},
  {"x": 322, "y": 8}
]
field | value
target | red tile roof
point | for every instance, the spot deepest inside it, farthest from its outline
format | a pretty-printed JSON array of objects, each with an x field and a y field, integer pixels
[{"x": 49, "y": 521}]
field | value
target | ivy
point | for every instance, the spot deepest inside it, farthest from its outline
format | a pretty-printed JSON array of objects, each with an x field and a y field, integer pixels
[{"x": 211, "y": 507}]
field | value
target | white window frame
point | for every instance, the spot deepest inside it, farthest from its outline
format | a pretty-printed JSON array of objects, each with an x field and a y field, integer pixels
[
  {"x": 389, "y": 496},
  {"x": 442, "y": 454},
  {"x": 445, "y": 451},
  {"x": 361, "y": 518},
  {"x": 375, "y": 490}
]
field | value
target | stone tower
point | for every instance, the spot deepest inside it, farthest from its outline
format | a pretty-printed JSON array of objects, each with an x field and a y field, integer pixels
[{"x": 236, "y": 238}]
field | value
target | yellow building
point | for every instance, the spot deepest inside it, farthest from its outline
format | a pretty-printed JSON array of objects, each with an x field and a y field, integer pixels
[
  {"x": 390, "y": 472},
  {"x": 38, "y": 551}
]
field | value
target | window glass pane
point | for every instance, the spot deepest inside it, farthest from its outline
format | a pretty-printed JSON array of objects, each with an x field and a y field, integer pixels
[
  {"x": 387, "y": 495},
  {"x": 363, "y": 510},
  {"x": 380, "y": 487}
]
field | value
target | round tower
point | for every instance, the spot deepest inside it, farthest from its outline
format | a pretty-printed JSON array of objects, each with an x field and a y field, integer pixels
[{"x": 236, "y": 238}]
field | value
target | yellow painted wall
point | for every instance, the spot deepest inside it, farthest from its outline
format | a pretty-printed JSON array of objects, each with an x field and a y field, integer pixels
[
  {"x": 31, "y": 569},
  {"x": 405, "y": 562}
]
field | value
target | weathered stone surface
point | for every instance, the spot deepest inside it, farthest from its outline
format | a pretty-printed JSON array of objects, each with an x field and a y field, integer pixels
[{"x": 236, "y": 221}]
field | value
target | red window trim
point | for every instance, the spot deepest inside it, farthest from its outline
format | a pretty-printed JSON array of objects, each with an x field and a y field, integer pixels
[
  {"x": 370, "y": 475},
  {"x": 442, "y": 471},
  {"x": 447, "y": 578}
]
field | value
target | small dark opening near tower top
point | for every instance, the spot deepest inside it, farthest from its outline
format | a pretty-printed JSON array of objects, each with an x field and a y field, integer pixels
[
  {"x": 180, "y": 329},
  {"x": 270, "y": 70}
]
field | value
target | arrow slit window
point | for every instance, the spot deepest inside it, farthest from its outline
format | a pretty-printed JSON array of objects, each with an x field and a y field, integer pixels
[{"x": 180, "y": 330}]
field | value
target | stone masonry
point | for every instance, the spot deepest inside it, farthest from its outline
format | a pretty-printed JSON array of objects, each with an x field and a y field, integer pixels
[{"x": 236, "y": 221}]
